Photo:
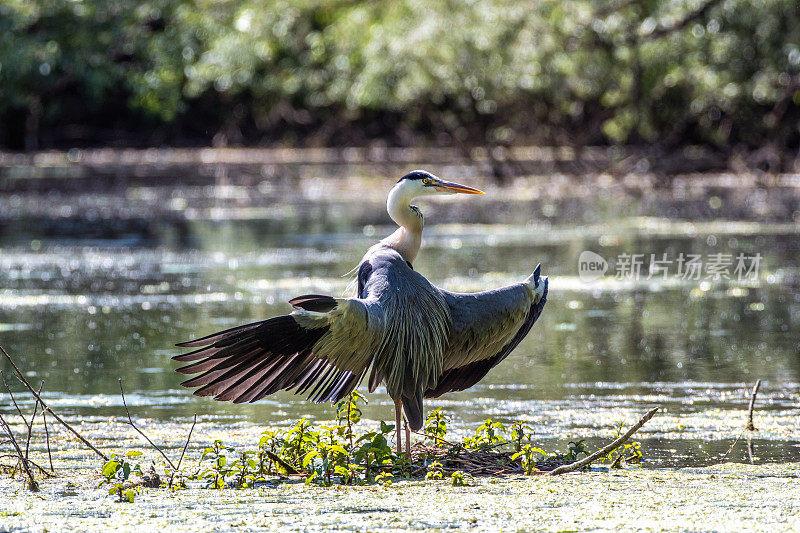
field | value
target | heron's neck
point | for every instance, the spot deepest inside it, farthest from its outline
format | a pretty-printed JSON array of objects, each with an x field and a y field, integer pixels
[{"x": 408, "y": 237}]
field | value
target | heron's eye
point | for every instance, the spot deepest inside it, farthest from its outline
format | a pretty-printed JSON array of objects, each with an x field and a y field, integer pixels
[{"x": 425, "y": 181}]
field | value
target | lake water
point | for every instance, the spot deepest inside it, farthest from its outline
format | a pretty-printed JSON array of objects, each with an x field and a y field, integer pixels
[{"x": 102, "y": 271}]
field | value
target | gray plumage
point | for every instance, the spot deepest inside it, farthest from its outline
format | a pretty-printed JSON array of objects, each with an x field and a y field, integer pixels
[{"x": 417, "y": 339}]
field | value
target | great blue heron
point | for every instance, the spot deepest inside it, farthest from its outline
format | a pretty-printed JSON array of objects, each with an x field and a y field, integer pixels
[{"x": 421, "y": 341}]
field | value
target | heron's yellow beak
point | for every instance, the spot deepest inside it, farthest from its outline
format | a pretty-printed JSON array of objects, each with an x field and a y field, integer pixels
[{"x": 449, "y": 186}]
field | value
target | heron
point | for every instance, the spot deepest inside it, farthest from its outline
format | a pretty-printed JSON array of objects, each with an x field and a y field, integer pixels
[{"x": 418, "y": 340}]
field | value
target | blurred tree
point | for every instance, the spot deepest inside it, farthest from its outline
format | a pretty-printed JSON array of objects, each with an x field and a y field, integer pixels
[{"x": 724, "y": 73}]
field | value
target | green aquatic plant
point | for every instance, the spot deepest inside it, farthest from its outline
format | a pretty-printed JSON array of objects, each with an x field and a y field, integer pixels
[
  {"x": 348, "y": 413},
  {"x": 460, "y": 479},
  {"x": 214, "y": 467},
  {"x": 326, "y": 454},
  {"x": 341, "y": 454},
  {"x": 436, "y": 425},
  {"x": 530, "y": 458},
  {"x": 628, "y": 453},
  {"x": 374, "y": 452},
  {"x": 435, "y": 470},
  {"x": 117, "y": 472},
  {"x": 245, "y": 470},
  {"x": 520, "y": 433},
  {"x": 298, "y": 442},
  {"x": 488, "y": 434}
]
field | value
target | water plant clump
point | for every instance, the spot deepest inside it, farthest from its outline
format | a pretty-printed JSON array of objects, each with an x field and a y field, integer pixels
[{"x": 342, "y": 454}]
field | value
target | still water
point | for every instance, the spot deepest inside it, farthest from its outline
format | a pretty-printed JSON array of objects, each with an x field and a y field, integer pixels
[{"x": 101, "y": 276}]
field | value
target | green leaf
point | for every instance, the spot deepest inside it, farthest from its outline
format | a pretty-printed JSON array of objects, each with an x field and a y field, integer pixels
[
  {"x": 133, "y": 453},
  {"x": 309, "y": 457},
  {"x": 338, "y": 449},
  {"x": 110, "y": 468}
]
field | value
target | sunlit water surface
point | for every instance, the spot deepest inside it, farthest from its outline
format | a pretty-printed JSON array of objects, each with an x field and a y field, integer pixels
[{"x": 99, "y": 279}]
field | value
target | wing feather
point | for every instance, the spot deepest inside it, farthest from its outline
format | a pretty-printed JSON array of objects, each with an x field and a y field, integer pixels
[
  {"x": 326, "y": 345},
  {"x": 486, "y": 328}
]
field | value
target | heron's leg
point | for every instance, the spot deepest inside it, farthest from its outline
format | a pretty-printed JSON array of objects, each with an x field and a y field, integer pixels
[
  {"x": 398, "y": 410},
  {"x": 408, "y": 439}
]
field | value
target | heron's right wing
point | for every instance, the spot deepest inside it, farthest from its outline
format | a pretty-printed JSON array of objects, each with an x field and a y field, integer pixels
[
  {"x": 487, "y": 326},
  {"x": 323, "y": 348}
]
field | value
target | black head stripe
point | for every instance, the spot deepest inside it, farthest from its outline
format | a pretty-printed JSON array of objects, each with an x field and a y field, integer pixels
[{"x": 417, "y": 175}]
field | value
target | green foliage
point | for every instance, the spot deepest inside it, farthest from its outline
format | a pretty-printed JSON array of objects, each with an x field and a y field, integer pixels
[
  {"x": 604, "y": 71},
  {"x": 117, "y": 472},
  {"x": 520, "y": 433},
  {"x": 326, "y": 455},
  {"x": 459, "y": 479},
  {"x": 529, "y": 457},
  {"x": 488, "y": 434},
  {"x": 434, "y": 470},
  {"x": 628, "y": 453},
  {"x": 348, "y": 413},
  {"x": 214, "y": 466},
  {"x": 436, "y": 425}
]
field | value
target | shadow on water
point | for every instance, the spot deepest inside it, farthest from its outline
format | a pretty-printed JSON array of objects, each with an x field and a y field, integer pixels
[{"x": 100, "y": 284}]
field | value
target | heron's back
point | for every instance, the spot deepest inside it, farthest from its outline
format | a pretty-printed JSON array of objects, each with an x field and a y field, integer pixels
[{"x": 416, "y": 327}]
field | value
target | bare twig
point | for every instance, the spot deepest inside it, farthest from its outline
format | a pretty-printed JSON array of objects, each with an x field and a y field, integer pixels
[
  {"x": 750, "y": 426},
  {"x": 183, "y": 452},
  {"x": 24, "y": 381},
  {"x": 33, "y": 486},
  {"x": 140, "y": 432},
  {"x": 30, "y": 425},
  {"x": 605, "y": 450},
  {"x": 21, "y": 415},
  {"x": 30, "y": 462},
  {"x": 725, "y": 456},
  {"x": 47, "y": 437}
]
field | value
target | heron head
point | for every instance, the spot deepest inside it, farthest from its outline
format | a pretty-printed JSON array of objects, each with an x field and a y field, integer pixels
[{"x": 423, "y": 183}]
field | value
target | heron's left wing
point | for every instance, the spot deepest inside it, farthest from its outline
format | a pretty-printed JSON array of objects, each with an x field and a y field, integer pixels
[
  {"x": 323, "y": 348},
  {"x": 487, "y": 326}
]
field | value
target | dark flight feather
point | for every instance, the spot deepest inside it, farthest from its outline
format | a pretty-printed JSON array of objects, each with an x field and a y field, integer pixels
[
  {"x": 247, "y": 363},
  {"x": 464, "y": 377}
]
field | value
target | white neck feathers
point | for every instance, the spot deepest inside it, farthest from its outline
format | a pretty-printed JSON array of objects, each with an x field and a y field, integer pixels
[{"x": 408, "y": 237}]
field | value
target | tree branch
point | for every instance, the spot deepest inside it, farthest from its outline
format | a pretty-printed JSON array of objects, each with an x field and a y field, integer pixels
[{"x": 605, "y": 450}]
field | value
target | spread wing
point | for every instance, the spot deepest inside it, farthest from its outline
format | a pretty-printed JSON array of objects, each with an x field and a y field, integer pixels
[
  {"x": 323, "y": 349},
  {"x": 487, "y": 326}
]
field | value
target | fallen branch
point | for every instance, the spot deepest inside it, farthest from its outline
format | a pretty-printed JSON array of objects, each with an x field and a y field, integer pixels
[
  {"x": 140, "y": 432},
  {"x": 605, "y": 450},
  {"x": 21, "y": 377},
  {"x": 283, "y": 464}
]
